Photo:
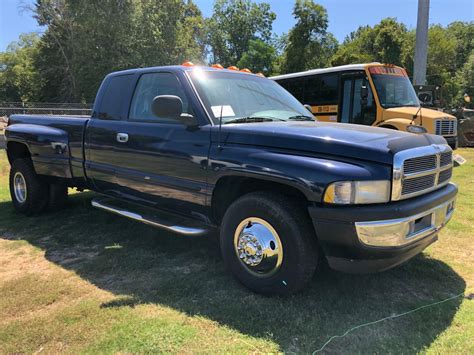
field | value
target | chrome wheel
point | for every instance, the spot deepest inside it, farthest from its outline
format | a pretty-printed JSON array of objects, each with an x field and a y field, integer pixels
[
  {"x": 258, "y": 246},
  {"x": 19, "y": 187}
]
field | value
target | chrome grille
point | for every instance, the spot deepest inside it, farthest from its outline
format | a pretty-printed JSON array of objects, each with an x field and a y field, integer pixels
[
  {"x": 445, "y": 176},
  {"x": 418, "y": 183},
  {"x": 417, "y": 164},
  {"x": 445, "y": 127},
  {"x": 419, "y": 170},
  {"x": 446, "y": 159}
]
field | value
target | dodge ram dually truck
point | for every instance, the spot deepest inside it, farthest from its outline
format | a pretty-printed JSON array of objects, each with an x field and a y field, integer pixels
[{"x": 195, "y": 149}]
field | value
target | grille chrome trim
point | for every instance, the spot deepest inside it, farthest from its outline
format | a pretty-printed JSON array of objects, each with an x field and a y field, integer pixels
[
  {"x": 398, "y": 177},
  {"x": 444, "y": 127}
]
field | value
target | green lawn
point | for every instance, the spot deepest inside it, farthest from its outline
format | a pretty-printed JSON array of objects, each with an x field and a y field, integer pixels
[{"x": 82, "y": 280}]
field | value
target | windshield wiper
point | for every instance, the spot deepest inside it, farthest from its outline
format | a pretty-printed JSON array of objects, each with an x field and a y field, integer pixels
[
  {"x": 253, "y": 119},
  {"x": 301, "y": 118}
]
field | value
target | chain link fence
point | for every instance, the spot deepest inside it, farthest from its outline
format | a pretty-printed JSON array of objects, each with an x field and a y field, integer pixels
[
  {"x": 44, "y": 108},
  {"x": 39, "y": 108}
]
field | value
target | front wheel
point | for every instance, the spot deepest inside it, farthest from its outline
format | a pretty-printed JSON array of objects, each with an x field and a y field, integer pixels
[
  {"x": 268, "y": 243},
  {"x": 29, "y": 194}
]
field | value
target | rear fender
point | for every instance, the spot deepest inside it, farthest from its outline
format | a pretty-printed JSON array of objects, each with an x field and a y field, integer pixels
[{"x": 48, "y": 147}]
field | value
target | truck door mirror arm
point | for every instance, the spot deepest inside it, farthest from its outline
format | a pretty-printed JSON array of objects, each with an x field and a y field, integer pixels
[{"x": 171, "y": 106}]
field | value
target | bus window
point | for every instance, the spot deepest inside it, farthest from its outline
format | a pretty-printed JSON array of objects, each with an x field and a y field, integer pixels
[
  {"x": 346, "y": 101},
  {"x": 311, "y": 90},
  {"x": 328, "y": 91},
  {"x": 321, "y": 89},
  {"x": 296, "y": 88}
]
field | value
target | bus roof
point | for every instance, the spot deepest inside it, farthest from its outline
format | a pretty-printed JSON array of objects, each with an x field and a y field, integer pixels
[{"x": 325, "y": 70}]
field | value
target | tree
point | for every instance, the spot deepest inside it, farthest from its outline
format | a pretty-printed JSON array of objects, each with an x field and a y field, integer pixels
[
  {"x": 309, "y": 43},
  {"x": 85, "y": 40},
  {"x": 463, "y": 32},
  {"x": 259, "y": 57},
  {"x": 234, "y": 23},
  {"x": 385, "y": 43},
  {"x": 19, "y": 80}
]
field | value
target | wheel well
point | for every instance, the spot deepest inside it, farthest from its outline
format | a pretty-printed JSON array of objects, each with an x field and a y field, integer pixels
[
  {"x": 388, "y": 126},
  {"x": 230, "y": 188},
  {"x": 17, "y": 150}
]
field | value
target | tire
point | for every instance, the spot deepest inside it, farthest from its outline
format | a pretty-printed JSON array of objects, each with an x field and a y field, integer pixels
[
  {"x": 263, "y": 214},
  {"x": 33, "y": 198},
  {"x": 57, "y": 196}
]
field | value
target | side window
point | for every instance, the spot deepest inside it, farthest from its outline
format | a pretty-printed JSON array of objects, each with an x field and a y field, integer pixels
[
  {"x": 296, "y": 88},
  {"x": 329, "y": 88},
  {"x": 321, "y": 89},
  {"x": 312, "y": 90},
  {"x": 114, "y": 96},
  {"x": 151, "y": 85}
]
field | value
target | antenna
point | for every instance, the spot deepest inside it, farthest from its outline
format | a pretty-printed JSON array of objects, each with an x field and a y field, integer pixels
[
  {"x": 416, "y": 115},
  {"x": 219, "y": 145}
]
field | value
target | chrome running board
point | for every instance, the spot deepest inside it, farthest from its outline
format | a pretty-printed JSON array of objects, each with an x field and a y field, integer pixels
[{"x": 108, "y": 204}]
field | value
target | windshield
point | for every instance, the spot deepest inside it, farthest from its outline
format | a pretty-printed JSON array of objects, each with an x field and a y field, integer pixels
[
  {"x": 245, "y": 98},
  {"x": 395, "y": 91}
]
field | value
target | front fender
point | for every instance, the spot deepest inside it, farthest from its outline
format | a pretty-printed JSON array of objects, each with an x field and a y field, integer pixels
[
  {"x": 310, "y": 175},
  {"x": 48, "y": 147},
  {"x": 398, "y": 123}
]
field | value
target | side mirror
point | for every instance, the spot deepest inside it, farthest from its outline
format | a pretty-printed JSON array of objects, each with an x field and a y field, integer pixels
[
  {"x": 171, "y": 106},
  {"x": 364, "y": 94},
  {"x": 424, "y": 97},
  {"x": 308, "y": 108}
]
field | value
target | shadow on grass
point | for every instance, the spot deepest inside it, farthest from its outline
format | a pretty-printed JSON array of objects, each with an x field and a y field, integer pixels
[{"x": 144, "y": 265}]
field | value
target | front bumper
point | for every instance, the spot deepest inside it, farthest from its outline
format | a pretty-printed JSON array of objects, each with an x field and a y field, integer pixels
[
  {"x": 371, "y": 238},
  {"x": 452, "y": 141}
]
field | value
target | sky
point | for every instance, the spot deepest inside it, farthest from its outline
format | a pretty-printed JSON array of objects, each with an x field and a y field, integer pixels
[{"x": 344, "y": 15}]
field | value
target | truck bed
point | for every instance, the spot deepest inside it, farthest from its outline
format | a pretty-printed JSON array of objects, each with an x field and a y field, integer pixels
[{"x": 55, "y": 142}]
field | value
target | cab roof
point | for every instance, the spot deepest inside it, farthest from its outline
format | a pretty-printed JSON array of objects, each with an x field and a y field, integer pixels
[{"x": 175, "y": 68}]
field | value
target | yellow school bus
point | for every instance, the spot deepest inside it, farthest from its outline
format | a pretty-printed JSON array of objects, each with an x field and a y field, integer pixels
[{"x": 371, "y": 94}]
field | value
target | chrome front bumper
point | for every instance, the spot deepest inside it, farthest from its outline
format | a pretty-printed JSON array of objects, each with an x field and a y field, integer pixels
[{"x": 403, "y": 231}]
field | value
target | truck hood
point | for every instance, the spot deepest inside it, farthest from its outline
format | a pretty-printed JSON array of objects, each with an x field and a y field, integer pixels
[
  {"x": 336, "y": 139},
  {"x": 408, "y": 112}
]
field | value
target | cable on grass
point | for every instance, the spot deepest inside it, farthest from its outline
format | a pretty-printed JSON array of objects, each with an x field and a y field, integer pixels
[{"x": 384, "y": 319}]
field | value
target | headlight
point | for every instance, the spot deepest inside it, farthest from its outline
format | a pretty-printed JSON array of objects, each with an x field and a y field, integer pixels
[
  {"x": 358, "y": 192},
  {"x": 416, "y": 129}
]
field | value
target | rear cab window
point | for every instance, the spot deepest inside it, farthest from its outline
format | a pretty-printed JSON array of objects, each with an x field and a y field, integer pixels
[{"x": 114, "y": 100}]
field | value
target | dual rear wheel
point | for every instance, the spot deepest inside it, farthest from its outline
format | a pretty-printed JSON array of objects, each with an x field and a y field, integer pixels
[{"x": 30, "y": 194}]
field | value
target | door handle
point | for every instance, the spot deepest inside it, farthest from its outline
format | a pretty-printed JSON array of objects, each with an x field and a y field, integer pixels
[{"x": 122, "y": 137}]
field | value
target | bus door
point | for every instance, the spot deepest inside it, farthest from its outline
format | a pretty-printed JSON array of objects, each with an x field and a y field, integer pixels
[{"x": 353, "y": 108}]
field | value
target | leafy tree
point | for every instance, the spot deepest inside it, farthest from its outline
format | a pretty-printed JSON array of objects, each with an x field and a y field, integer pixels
[
  {"x": 384, "y": 43},
  {"x": 85, "y": 40},
  {"x": 309, "y": 43},
  {"x": 19, "y": 80},
  {"x": 234, "y": 23},
  {"x": 259, "y": 57},
  {"x": 463, "y": 32}
]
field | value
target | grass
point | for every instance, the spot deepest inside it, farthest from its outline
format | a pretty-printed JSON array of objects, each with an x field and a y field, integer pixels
[{"x": 82, "y": 280}]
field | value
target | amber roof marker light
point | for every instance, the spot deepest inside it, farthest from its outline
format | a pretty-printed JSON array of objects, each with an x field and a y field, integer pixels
[
  {"x": 233, "y": 67},
  {"x": 246, "y": 70},
  {"x": 217, "y": 66},
  {"x": 188, "y": 64}
]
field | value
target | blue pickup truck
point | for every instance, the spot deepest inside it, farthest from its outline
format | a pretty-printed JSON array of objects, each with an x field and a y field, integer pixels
[{"x": 194, "y": 150}]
